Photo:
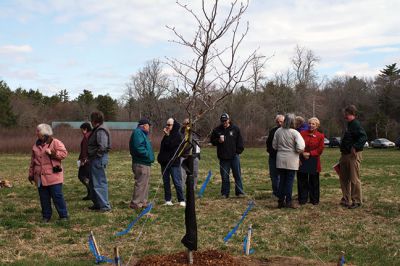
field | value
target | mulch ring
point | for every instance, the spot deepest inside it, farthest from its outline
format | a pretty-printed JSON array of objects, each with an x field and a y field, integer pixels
[{"x": 213, "y": 257}]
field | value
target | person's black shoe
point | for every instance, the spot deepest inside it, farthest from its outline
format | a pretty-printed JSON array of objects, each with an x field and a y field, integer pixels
[
  {"x": 224, "y": 196},
  {"x": 291, "y": 205},
  {"x": 45, "y": 220},
  {"x": 302, "y": 202},
  {"x": 314, "y": 203},
  {"x": 86, "y": 198},
  {"x": 63, "y": 219},
  {"x": 93, "y": 208},
  {"x": 103, "y": 210},
  {"x": 281, "y": 204},
  {"x": 354, "y": 205}
]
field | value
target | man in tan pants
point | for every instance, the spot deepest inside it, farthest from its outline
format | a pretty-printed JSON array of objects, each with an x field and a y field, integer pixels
[
  {"x": 351, "y": 148},
  {"x": 142, "y": 157}
]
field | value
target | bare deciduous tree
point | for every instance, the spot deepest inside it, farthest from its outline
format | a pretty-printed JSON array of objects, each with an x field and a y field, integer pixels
[
  {"x": 304, "y": 62},
  {"x": 147, "y": 86},
  {"x": 257, "y": 68},
  {"x": 215, "y": 64}
]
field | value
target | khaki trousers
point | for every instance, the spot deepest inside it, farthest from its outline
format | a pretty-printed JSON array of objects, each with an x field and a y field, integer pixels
[
  {"x": 141, "y": 188},
  {"x": 350, "y": 177}
]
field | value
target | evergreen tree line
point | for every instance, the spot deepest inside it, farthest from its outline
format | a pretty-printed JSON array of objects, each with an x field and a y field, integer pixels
[{"x": 151, "y": 94}]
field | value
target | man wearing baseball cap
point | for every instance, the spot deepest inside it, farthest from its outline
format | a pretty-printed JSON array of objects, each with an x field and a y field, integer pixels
[
  {"x": 142, "y": 158},
  {"x": 229, "y": 144}
]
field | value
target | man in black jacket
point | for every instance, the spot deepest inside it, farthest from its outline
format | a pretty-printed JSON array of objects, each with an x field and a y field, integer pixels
[
  {"x": 351, "y": 148},
  {"x": 273, "y": 171},
  {"x": 229, "y": 144}
]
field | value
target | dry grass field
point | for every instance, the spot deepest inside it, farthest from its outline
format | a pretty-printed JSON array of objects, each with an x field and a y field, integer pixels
[{"x": 369, "y": 235}]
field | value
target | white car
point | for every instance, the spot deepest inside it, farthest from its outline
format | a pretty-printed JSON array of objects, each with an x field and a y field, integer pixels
[{"x": 382, "y": 143}]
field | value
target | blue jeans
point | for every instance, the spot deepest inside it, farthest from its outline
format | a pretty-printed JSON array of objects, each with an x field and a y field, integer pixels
[
  {"x": 224, "y": 168},
  {"x": 286, "y": 185},
  {"x": 46, "y": 193},
  {"x": 175, "y": 173},
  {"x": 98, "y": 185},
  {"x": 274, "y": 175}
]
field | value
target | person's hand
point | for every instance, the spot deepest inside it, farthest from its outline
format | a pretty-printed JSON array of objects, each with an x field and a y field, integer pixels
[
  {"x": 166, "y": 131},
  {"x": 48, "y": 151},
  {"x": 353, "y": 152},
  {"x": 306, "y": 155}
]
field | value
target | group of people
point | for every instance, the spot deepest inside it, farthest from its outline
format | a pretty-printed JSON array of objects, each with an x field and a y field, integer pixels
[
  {"x": 293, "y": 146},
  {"x": 47, "y": 173}
]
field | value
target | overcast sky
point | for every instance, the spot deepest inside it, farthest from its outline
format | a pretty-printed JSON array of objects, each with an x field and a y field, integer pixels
[{"x": 99, "y": 44}]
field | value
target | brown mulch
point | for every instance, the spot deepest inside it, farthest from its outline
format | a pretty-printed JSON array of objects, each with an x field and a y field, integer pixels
[{"x": 213, "y": 257}]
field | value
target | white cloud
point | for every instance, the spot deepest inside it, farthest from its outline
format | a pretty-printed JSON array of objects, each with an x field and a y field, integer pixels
[
  {"x": 15, "y": 49},
  {"x": 358, "y": 69}
]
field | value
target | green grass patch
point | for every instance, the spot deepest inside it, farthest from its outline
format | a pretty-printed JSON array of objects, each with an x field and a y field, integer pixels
[{"x": 370, "y": 235}]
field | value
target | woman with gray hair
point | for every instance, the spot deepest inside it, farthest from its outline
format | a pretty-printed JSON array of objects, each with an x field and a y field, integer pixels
[
  {"x": 289, "y": 144},
  {"x": 47, "y": 172}
]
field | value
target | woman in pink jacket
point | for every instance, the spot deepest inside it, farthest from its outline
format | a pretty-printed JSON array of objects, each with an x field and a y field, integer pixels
[{"x": 47, "y": 172}]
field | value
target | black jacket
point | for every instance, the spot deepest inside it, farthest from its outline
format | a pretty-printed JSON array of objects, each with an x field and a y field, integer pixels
[
  {"x": 169, "y": 146},
  {"x": 272, "y": 152},
  {"x": 354, "y": 136},
  {"x": 232, "y": 145}
]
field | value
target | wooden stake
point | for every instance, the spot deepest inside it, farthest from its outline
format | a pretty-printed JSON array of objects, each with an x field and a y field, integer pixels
[
  {"x": 95, "y": 243},
  {"x": 190, "y": 256},
  {"x": 248, "y": 241},
  {"x": 117, "y": 259}
]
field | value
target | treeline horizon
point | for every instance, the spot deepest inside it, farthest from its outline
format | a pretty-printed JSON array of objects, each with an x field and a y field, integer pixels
[{"x": 253, "y": 106}]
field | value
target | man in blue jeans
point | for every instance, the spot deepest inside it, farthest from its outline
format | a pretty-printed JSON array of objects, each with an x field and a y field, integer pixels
[
  {"x": 229, "y": 144},
  {"x": 99, "y": 144},
  {"x": 168, "y": 158}
]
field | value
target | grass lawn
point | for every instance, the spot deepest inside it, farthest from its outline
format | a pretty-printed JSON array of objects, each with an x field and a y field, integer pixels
[{"x": 369, "y": 235}]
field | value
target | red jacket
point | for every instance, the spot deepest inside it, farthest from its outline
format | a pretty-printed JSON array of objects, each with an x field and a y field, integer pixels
[
  {"x": 314, "y": 145},
  {"x": 41, "y": 167}
]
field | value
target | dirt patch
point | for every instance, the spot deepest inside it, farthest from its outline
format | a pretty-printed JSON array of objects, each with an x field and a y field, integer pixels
[{"x": 213, "y": 257}]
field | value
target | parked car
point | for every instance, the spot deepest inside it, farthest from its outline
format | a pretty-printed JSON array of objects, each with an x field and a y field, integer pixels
[
  {"x": 326, "y": 142},
  {"x": 382, "y": 143},
  {"x": 334, "y": 142}
]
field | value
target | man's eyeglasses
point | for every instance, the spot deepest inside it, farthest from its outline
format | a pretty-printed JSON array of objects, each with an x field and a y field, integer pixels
[{"x": 168, "y": 125}]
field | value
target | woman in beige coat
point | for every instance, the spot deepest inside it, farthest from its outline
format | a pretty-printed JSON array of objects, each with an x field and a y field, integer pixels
[{"x": 289, "y": 144}]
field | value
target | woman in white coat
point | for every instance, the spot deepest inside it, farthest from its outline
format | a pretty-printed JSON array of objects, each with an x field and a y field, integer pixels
[{"x": 289, "y": 144}]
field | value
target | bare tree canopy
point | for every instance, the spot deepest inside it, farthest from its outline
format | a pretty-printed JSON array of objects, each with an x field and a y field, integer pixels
[
  {"x": 215, "y": 64},
  {"x": 304, "y": 62},
  {"x": 147, "y": 87}
]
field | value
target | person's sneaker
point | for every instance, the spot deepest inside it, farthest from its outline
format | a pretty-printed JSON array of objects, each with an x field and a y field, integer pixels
[
  {"x": 281, "y": 204},
  {"x": 168, "y": 203},
  {"x": 182, "y": 204},
  {"x": 241, "y": 195},
  {"x": 63, "y": 219},
  {"x": 354, "y": 205},
  {"x": 224, "y": 196},
  {"x": 93, "y": 208},
  {"x": 45, "y": 220}
]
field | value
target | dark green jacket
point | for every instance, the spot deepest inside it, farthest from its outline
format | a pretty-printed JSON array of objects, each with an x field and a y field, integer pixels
[
  {"x": 140, "y": 148},
  {"x": 354, "y": 136}
]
